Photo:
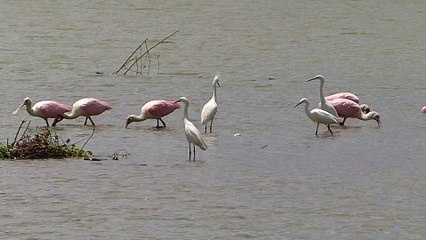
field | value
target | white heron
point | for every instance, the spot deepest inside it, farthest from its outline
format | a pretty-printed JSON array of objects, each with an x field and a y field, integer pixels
[
  {"x": 325, "y": 105},
  {"x": 318, "y": 115},
  {"x": 210, "y": 108},
  {"x": 192, "y": 133}
]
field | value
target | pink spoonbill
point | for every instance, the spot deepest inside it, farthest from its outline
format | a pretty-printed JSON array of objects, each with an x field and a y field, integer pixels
[
  {"x": 350, "y": 109},
  {"x": 155, "y": 109},
  {"x": 325, "y": 105},
  {"x": 45, "y": 109},
  {"x": 210, "y": 108},
  {"x": 318, "y": 115},
  {"x": 192, "y": 133},
  {"x": 350, "y": 96},
  {"x": 423, "y": 109},
  {"x": 87, "y": 107}
]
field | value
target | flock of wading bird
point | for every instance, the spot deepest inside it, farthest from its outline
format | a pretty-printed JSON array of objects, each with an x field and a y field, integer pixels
[
  {"x": 155, "y": 109},
  {"x": 343, "y": 104}
]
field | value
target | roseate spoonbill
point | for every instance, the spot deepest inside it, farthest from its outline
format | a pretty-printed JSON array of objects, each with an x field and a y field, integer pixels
[
  {"x": 325, "y": 105},
  {"x": 45, "y": 110},
  {"x": 423, "y": 109},
  {"x": 87, "y": 107},
  {"x": 350, "y": 109},
  {"x": 155, "y": 109},
  {"x": 350, "y": 96},
  {"x": 192, "y": 133},
  {"x": 318, "y": 115},
  {"x": 210, "y": 108}
]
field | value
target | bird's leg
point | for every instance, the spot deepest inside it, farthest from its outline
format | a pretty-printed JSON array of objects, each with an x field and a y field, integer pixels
[
  {"x": 164, "y": 124},
  {"x": 189, "y": 148},
  {"x": 211, "y": 125},
  {"x": 56, "y": 121},
  {"x": 342, "y": 123},
  {"x": 91, "y": 121},
  {"x": 194, "y": 153},
  {"x": 158, "y": 124},
  {"x": 316, "y": 131},
  {"x": 205, "y": 128},
  {"x": 85, "y": 121},
  {"x": 47, "y": 123},
  {"x": 329, "y": 129}
]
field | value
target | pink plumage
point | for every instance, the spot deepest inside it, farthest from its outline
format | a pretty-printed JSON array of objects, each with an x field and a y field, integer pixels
[
  {"x": 91, "y": 106},
  {"x": 349, "y": 109},
  {"x": 87, "y": 107},
  {"x": 162, "y": 108},
  {"x": 423, "y": 109},
  {"x": 345, "y": 95},
  {"x": 155, "y": 109},
  {"x": 45, "y": 109}
]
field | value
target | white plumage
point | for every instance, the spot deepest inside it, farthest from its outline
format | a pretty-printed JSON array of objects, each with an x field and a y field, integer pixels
[
  {"x": 192, "y": 133},
  {"x": 318, "y": 115},
  {"x": 210, "y": 108}
]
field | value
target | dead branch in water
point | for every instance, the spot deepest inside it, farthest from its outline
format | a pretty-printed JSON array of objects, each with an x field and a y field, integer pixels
[{"x": 134, "y": 59}]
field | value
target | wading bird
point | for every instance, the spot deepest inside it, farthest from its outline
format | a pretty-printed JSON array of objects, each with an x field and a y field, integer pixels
[
  {"x": 155, "y": 109},
  {"x": 325, "y": 105},
  {"x": 210, "y": 108},
  {"x": 87, "y": 107},
  {"x": 350, "y": 109},
  {"x": 318, "y": 116},
  {"x": 192, "y": 133},
  {"x": 45, "y": 110}
]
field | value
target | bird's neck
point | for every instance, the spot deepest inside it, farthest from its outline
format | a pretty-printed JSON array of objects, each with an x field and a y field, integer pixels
[
  {"x": 185, "y": 112},
  {"x": 30, "y": 109},
  {"x": 214, "y": 92},
  {"x": 366, "y": 117},
  {"x": 138, "y": 118},
  {"x": 70, "y": 115},
  {"x": 322, "y": 92},
  {"x": 307, "y": 111}
]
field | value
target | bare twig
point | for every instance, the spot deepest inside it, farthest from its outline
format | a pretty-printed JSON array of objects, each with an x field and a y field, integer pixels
[
  {"x": 125, "y": 62},
  {"x": 91, "y": 135},
  {"x": 147, "y": 51}
]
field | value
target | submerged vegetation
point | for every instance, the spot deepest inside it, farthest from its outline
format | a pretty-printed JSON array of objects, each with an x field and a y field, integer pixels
[{"x": 41, "y": 144}]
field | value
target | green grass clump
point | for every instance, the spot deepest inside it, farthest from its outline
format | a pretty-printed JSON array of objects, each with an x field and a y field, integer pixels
[{"x": 42, "y": 144}]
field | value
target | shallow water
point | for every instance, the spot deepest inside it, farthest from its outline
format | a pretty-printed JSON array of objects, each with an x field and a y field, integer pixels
[{"x": 277, "y": 180}]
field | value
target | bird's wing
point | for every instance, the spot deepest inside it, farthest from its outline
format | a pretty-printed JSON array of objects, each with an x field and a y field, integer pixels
[
  {"x": 322, "y": 116},
  {"x": 52, "y": 109},
  {"x": 163, "y": 108},
  {"x": 208, "y": 112},
  {"x": 193, "y": 135},
  {"x": 345, "y": 107}
]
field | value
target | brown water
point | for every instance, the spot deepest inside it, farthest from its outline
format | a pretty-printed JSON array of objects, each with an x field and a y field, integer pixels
[{"x": 275, "y": 181}]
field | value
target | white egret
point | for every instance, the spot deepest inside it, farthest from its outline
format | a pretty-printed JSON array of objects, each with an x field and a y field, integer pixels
[
  {"x": 325, "y": 105},
  {"x": 210, "y": 108},
  {"x": 318, "y": 115},
  {"x": 192, "y": 133}
]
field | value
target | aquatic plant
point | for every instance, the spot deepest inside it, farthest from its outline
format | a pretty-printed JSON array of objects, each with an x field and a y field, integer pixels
[{"x": 42, "y": 144}]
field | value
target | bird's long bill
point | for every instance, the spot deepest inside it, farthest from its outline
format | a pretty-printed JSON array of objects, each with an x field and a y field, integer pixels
[
  {"x": 16, "y": 111},
  {"x": 297, "y": 104},
  {"x": 311, "y": 79},
  {"x": 379, "y": 122},
  {"x": 218, "y": 83}
]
